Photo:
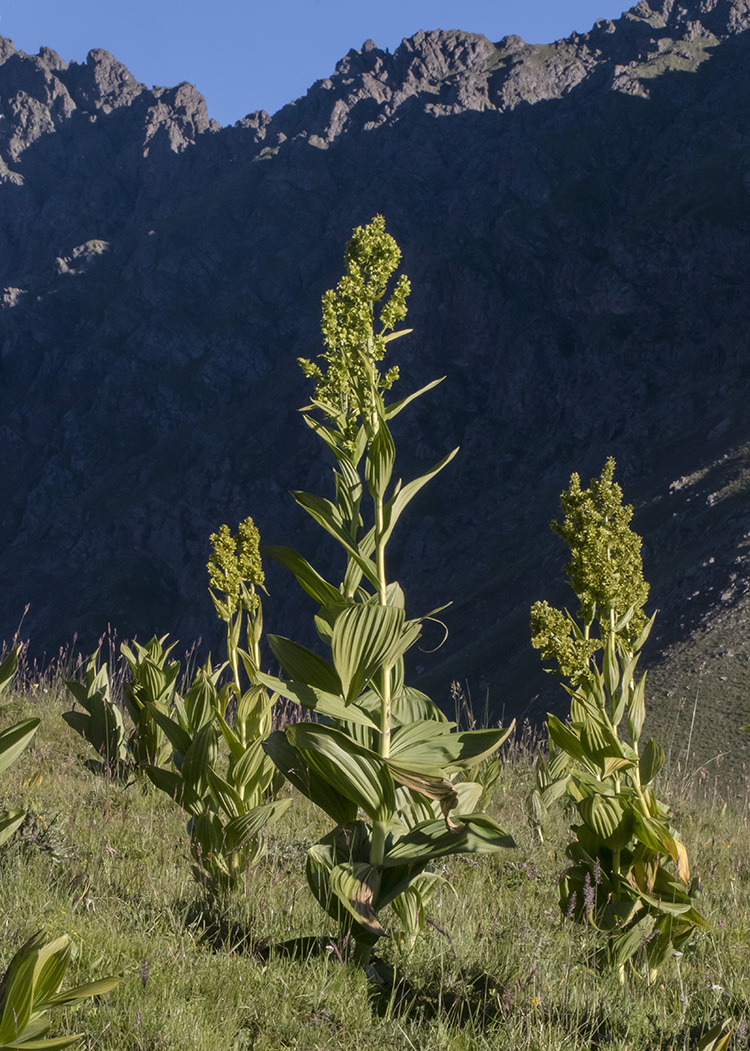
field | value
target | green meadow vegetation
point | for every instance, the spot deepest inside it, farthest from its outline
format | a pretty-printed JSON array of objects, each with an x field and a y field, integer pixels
[{"x": 223, "y": 858}]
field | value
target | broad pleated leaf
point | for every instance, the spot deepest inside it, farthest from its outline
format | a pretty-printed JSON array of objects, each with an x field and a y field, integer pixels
[
  {"x": 226, "y": 795},
  {"x": 430, "y": 840},
  {"x": 565, "y": 738},
  {"x": 637, "y": 710},
  {"x": 432, "y": 748},
  {"x": 299, "y": 772},
  {"x": 18, "y": 996},
  {"x": 437, "y": 788},
  {"x": 179, "y": 739},
  {"x": 9, "y": 822},
  {"x": 308, "y": 578},
  {"x": 381, "y": 456},
  {"x": 410, "y": 705},
  {"x": 353, "y": 884},
  {"x": 202, "y": 754},
  {"x": 625, "y": 945},
  {"x": 612, "y": 763},
  {"x": 357, "y": 773},
  {"x": 174, "y": 786},
  {"x": 364, "y": 638},
  {"x": 245, "y": 769},
  {"x": 652, "y": 760},
  {"x": 327, "y": 704},
  {"x": 14, "y": 739},
  {"x": 302, "y": 665},
  {"x": 608, "y": 818},
  {"x": 49, "y": 970},
  {"x": 247, "y": 826}
]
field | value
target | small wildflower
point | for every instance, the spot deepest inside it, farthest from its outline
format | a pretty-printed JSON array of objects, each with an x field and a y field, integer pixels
[
  {"x": 589, "y": 894},
  {"x": 571, "y": 906}
]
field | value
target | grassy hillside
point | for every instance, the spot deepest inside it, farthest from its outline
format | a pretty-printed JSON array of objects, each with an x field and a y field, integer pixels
[{"x": 498, "y": 967}]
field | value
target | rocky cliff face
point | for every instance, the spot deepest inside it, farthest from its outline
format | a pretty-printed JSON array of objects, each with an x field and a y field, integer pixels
[{"x": 574, "y": 218}]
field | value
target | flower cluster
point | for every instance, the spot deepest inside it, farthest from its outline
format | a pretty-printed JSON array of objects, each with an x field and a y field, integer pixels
[
  {"x": 235, "y": 563},
  {"x": 353, "y": 347}
]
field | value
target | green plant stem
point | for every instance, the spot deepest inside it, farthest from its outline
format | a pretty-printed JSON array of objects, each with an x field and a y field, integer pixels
[{"x": 379, "y": 827}]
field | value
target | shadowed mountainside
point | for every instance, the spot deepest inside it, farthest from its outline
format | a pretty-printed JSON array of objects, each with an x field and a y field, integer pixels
[{"x": 575, "y": 221}]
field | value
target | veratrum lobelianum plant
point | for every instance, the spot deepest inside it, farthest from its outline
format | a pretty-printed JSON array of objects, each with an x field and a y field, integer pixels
[
  {"x": 228, "y": 811},
  {"x": 101, "y": 723},
  {"x": 629, "y": 876},
  {"x": 386, "y": 764},
  {"x": 151, "y": 691},
  {"x": 30, "y": 987}
]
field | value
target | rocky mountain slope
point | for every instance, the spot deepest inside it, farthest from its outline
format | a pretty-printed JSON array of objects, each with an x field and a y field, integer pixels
[{"x": 575, "y": 221}]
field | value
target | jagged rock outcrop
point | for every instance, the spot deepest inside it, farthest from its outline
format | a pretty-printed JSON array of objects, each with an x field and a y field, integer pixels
[{"x": 575, "y": 218}]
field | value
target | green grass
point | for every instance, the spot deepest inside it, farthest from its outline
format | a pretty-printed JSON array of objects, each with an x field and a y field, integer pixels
[{"x": 497, "y": 967}]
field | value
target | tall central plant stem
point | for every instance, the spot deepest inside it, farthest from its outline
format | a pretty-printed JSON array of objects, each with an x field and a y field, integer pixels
[
  {"x": 377, "y": 849},
  {"x": 362, "y": 953}
]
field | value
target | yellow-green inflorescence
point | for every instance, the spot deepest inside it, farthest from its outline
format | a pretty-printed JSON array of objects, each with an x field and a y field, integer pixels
[
  {"x": 234, "y": 567},
  {"x": 353, "y": 345},
  {"x": 605, "y": 571}
]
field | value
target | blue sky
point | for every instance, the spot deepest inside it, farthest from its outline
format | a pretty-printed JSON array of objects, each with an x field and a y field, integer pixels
[{"x": 245, "y": 55}]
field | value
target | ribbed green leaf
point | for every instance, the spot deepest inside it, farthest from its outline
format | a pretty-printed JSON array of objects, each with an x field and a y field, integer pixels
[
  {"x": 652, "y": 760},
  {"x": 9, "y": 822},
  {"x": 627, "y": 944},
  {"x": 174, "y": 786},
  {"x": 612, "y": 763},
  {"x": 18, "y": 996},
  {"x": 308, "y": 578},
  {"x": 353, "y": 884},
  {"x": 395, "y": 407},
  {"x": 410, "y": 705},
  {"x": 227, "y": 797},
  {"x": 357, "y": 773},
  {"x": 247, "y": 826},
  {"x": 398, "y": 502},
  {"x": 381, "y": 456},
  {"x": 364, "y": 638},
  {"x": 49, "y": 970},
  {"x": 14, "y": 739},
  {"x": 81, "y": 992},
  {"x": 327, "y": 704},
  {"x": 329, "y": 517},
  {"x": 564, "y": 738},
  {"x": 179, "y": 739},
  {"x": 608, "y": 818},
  {"x": 302, "y": 665},
  {"x": 8, "y": 668},
  {"x": 430, "y": 840},
  {"x": 202, "y": 754},
  {"x": 299, "y": 771},
  {"x": 245, "y": 769},
  {"x": 432, "y": 748}
]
